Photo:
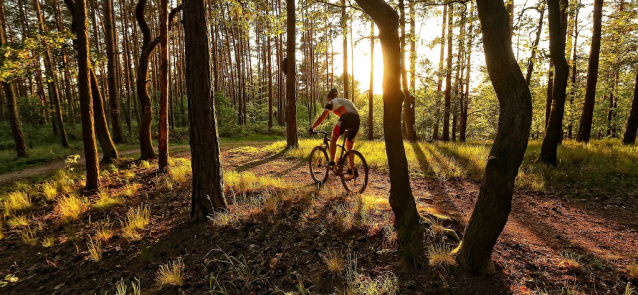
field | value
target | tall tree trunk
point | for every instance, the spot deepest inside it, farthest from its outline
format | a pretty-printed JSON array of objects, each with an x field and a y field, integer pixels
[
  {"x": 371, "y": 92},
  {"x": 407, "y": 104},
  {"x": 291, "y": 77},
  {"x": 109, "y": 150},
  {"x": 52, "y": 83},
  {"x": 557, "y": 28},
  {"x": 464, "y": 106},
  {"x": 208, "y": 183},
  {"x": 632, "y": 122},
  {"x": 78, "y": 10},
  {"x": 539, "y": 30},
  {"x": 146, "y": 142},
  {"x": 448, "y": 76},
  {"x": 439, "y": 84},
  {"x": 550, "y": 93},
  {"x": 112, "y": 54},
  {"x": 10, "y": 98},
  {"x": 345, "y": 48},
  {"x": 401, "y": 198},
  {"x": 586, "y": 118},
  {"x": 495, "y": 196},
  {"x": 163, "y": 81}
]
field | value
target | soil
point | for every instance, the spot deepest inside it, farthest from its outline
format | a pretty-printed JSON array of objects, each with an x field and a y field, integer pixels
[{"x": 284, "y": 249}]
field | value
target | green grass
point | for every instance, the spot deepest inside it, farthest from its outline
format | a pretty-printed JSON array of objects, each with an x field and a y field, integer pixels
[{"x": 601, "y": 168}]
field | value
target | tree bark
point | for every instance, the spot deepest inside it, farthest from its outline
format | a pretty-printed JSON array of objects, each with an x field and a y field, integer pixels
[
  {"x": 10, "y": 98},
  {"x": 401, "y": 198},
  {"x": 448, "y": 76},
  {"x": 557, "y": 29},
  {"x": 530, "y": 62},
  {"x": 495, "y": 196},
  {"x": 112, "y": 54},
  {"x": 146, "y": 142},
  {"x": 163, "y": 81},
  {"x": 291, "y": 78},
  {"x": 52, "y": 83},
  {"x": 632, "y": 122},
  {"x": 204, "y": 140},
  {"x": 78, "y": 10},
  {"x": 586, "y": 118},
  {"x": 439, "y": 84},
  {"x": 345, "y": 49},
  {"x": 371, "y": 92},
  {"x": 109, "y": 150}
]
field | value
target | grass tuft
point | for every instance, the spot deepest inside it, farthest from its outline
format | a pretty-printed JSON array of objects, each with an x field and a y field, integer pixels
[
  {"x": 29, "y": 236},
  {"x": 70, "y": 208},
  {"x": 171, "y": 273},
  {"x": 439, "y": 255},
  {"x": 136, "y": 219},
  {"x": 104, "y": 231},
  {"x": 145, "y": 164},
  {"x": 48, "y": 242},
  {"x": 105, "y": 201},
  {"x": 570, "y": 260},
  {"x": 49, "y": 190},
  {"x": 16, "y": 201},
  {"x": 335, "y": 263},
  {"x": 130, "y": 190},
  {"x": 17, "y": 221},
  {"x": 95, "y": 249}
]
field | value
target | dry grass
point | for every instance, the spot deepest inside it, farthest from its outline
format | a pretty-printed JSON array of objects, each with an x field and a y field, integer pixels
[
  {"x": 70, "y": 208},
  {"x": 136, "y": 219},
  {"x": 105, "y": 200},
  {"x": 247, "y": 181},
  {"x": 129, "y": 190},
  {"x": 49, "y": 190},
  {"x": 569, "y": 260},
  {"x": 171, "y": 273},
  {"x": 145, "y": 164},
  {"x": 29, "y": 236},
  {"x": 48, "y": 242},
  {"x": 17, "y": 221},
  {"x": 439, "y": 255},
  {"x": 95, "y": 249},
  {"x": 632, "y": 269},
  {"x": 16, "y": 201},
  {"x": 104, "y": 231},
  {"x": 335, "y": 263}
]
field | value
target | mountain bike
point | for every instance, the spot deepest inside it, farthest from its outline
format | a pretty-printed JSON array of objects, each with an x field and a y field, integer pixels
[{"x": 355, "y": 176}]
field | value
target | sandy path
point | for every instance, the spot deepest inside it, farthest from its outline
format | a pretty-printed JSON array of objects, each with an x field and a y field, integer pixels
[{"x": 52, "y": 166}]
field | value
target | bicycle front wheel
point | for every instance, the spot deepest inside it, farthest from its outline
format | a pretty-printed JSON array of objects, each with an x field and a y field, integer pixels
[
  {"x": 354, "y": 172},
  {"x": 319, "y": 165}
]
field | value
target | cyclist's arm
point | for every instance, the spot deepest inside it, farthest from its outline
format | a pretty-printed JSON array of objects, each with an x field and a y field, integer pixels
[{"x": 320, "y": 119}]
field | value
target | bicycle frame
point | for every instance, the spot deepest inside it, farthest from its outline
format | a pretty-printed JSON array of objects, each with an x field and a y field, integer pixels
[{"x": 326, "y": 141}]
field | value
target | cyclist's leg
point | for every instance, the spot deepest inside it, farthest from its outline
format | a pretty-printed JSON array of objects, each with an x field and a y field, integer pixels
[{"x": 336, "y": 132}]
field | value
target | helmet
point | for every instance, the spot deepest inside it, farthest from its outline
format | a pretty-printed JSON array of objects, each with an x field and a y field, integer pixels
[{"x": 333, "y": 93}]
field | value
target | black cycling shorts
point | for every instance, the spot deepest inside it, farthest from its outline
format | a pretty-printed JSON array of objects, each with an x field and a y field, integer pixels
[{"x": 347, "y": 121}]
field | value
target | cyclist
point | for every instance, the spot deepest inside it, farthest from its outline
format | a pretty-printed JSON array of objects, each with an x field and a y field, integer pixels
[{"x": 348, "y": 119}]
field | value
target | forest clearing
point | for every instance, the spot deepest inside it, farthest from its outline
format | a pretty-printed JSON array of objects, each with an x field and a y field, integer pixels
[
  {"x": 173, "y": 147},
  {"x": 281, "y": 234}
]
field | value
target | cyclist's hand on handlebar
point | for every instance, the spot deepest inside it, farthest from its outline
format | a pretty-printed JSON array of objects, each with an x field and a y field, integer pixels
[{"x": 311, "y": 131}]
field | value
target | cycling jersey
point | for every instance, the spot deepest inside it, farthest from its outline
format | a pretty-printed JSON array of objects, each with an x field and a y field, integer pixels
[{"x": 341, "y": 106}]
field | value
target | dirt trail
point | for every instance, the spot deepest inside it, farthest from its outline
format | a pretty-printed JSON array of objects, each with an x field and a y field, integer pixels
[{"x": 52, "y": 166}]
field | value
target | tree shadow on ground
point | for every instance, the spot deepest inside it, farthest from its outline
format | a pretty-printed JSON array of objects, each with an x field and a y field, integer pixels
[{"x": 253, "y": 164}]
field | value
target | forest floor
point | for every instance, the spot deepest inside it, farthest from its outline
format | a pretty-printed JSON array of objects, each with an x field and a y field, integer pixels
[{"x": 283, "y": 235}]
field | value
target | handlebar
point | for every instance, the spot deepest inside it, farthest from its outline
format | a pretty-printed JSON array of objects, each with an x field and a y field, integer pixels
[{"x": 320, "y": 132}]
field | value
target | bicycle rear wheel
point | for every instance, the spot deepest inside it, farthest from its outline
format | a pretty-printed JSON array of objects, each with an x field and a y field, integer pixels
[
  {"x": 319, "y": 165},
  {"x": 357, "y": 180}
]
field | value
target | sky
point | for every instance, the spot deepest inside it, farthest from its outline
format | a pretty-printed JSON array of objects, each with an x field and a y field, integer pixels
[{"x": 429, "y": 28}]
